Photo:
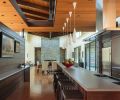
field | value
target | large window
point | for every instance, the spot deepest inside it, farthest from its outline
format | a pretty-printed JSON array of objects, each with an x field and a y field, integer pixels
[
  {"x": 78, "y": 55},
  {"x": 87, "y": 54},
  {"x": 76, "y": 50},
  {"x": 90, "y": 56}
]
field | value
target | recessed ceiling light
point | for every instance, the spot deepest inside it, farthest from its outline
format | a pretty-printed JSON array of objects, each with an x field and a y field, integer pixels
[
  {"x": 2, "y": 15},
  {"x": 4, "y": 1}
]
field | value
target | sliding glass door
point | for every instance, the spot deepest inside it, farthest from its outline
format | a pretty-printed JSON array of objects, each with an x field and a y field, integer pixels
[
  {"x": 90, "y": 56},
  {"x": 87, "y": 54},
  {"x": 76, "y": 50},
  {"x": 78, "y": 55}
]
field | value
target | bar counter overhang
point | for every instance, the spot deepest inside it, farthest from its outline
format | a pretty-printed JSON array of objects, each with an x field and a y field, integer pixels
[{"x": 92, "y": 86}]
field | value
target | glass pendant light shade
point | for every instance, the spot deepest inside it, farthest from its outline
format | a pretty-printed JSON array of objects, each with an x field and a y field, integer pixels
[
  {"x": 65, "y": 25},
  {"x": 74, "y": 35},
  {"x": 67, "y": 20},
  {"x": 63, "y": 28},
  {"x": 64, "y": 37},
  {"x": 74, "y": 4},
  {"x": 64, "y": 42},
  {"x": 70, "y": 36},
  {"x": 67, "y": 37},
  {"x": 67, "y": 40},
  {"x": 70, "y": 14},
  {"x": 70, "y": 39},
  {"x": 74, "y": 30}
]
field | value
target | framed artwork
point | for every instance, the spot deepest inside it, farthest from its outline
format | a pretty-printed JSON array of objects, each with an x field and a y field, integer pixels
[
  {"x": 7, "y": 46},
  {"x": 17, "y": 47}
]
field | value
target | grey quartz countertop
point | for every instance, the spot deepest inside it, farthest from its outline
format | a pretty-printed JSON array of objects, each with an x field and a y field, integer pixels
[
  {"x": 11, "y": 72},
  {"x": 87, "y": 80}
]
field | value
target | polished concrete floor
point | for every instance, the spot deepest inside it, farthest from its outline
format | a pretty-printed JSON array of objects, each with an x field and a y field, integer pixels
[{"x": 40, "y": 88}]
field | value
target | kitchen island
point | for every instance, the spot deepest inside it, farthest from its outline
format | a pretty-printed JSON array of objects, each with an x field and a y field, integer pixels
[{"x": 92, "y": 86}]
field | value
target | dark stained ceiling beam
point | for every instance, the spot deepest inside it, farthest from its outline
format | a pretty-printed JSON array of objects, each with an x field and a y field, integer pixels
[
  {"x": 40, "y": 34},
  {"x": 36, "y": 16},
  {"x": 30, "y": 19},
  {"x": 36, "y": 22},
  {"x": 32, "y": 5},
  {"x": 41, "y": 23},
  {"x": 46, "y": 0},
  {"x": 33, "y": 17},
  {"x": 34, "y": 13},
  {"x": 52, "y": 9},
  {"x": 47, "y": 34},
  {"x": 33, "y": 9}
]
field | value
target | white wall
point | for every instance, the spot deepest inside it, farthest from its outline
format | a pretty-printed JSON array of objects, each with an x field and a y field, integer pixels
[
  {"x": 32, "y": 41},
  {"x": 79, "y": 42}
]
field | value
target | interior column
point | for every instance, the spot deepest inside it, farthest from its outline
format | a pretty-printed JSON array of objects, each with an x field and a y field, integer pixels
[{"x": 109, "y": 14}]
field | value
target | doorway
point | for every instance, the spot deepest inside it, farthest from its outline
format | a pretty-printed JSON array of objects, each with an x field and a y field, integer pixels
[
  {"x": 37, "y": 55},
  {"x": 106, "y": 61},
  {"x": 62, "y": 54}
]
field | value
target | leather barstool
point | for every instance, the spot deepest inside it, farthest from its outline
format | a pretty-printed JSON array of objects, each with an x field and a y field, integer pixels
[
  {"x": 71, "y": 95},
  {"x": 64, "y": 85},
  {"x": 58, "y": 77}
]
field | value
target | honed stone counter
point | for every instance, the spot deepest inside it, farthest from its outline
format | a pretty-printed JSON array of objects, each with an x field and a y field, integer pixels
[
  {"x": 11, "y": 72},
  {"x": 13, "y": 79},
  {"x": 93, "y": 87}
]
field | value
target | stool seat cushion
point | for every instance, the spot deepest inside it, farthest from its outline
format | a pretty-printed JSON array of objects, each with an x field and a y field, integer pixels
[{"x": 72, "y": 95}]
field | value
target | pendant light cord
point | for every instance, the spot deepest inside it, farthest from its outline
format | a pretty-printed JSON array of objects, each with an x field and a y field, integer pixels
[
  {"x": 70, "y": 24},
  {"x": 74, "y": 18},
  {"x": 74, "y": 6}
]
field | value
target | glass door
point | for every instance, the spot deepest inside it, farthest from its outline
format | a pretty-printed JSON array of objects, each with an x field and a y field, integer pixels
[
  {"x": 92, "y": 56},
  {"x": 87, "y": 56},
  {"x": 76, "y": 55},
  {"x": 106, "y": 60}
]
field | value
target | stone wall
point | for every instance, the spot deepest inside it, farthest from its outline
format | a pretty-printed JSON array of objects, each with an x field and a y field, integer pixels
[{"x": 50, "y": 49}]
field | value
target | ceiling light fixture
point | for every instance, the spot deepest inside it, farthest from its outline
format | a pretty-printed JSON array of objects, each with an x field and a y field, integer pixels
[
  {"x": 70, "y": 37},
  {"x": 63, "y": 28},
  {"x": 74, "y": 30},
  {"x": 65, "y": 33},
  {"x": 67, "y": 20}
]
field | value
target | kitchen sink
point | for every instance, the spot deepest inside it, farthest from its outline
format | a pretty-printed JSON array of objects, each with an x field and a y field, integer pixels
[
  {"x": 118, "y": 83},
  {"x": 100, "y": 75}
]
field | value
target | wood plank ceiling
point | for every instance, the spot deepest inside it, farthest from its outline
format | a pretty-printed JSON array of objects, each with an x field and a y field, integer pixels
[
  {"x": 39, "y": 10},
  {"x": 85, "y": 15}
]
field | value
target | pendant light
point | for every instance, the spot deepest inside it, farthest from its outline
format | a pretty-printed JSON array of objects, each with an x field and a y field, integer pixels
[
  {"x": 70, "y": 36},
  {"x": 74, "y": 30},
  {"x": 63, "y": 28},
  {"x": 65, "y": 40},
  {"x": 67, "y": 21}
]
